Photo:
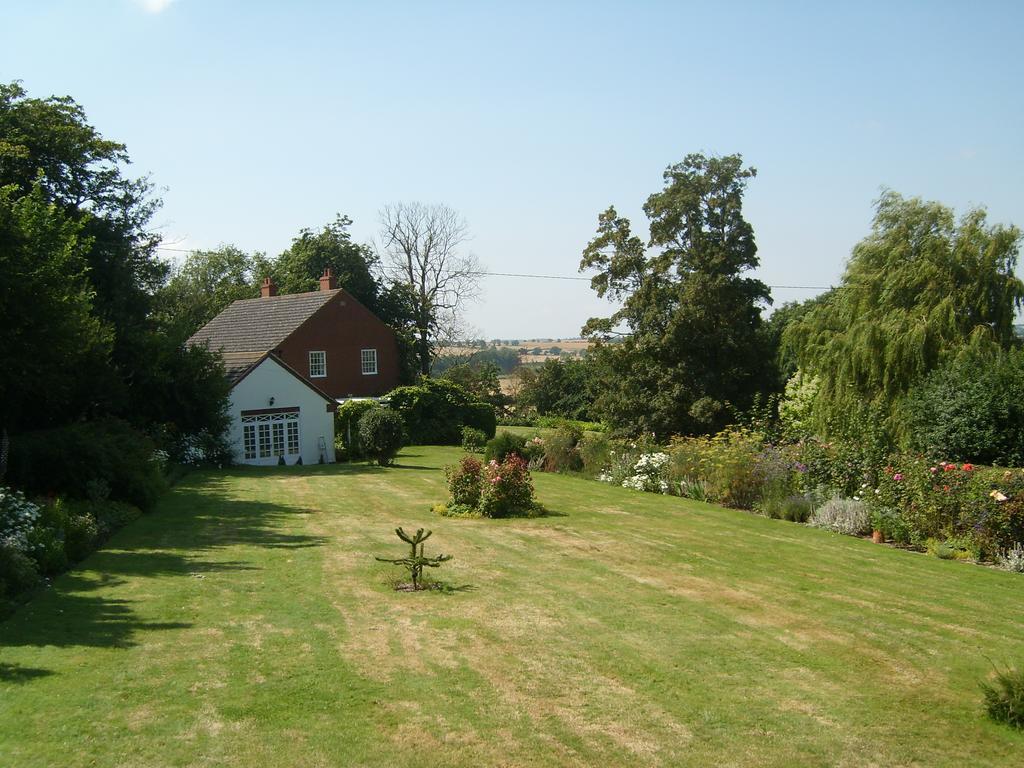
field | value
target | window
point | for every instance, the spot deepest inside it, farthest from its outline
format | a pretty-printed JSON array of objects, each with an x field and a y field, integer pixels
[
  {"x": 317, "y": 365},
  {"x": 249, "y": 440},
  {"x": 369, "y": 360},
  {"x": 264, "y": 441},
  {"x": 278, "y": 428},
  {"x": 267, "y": 435}
]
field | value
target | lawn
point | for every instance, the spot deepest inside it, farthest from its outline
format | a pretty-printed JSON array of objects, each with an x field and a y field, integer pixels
[{"x": 246, "y": 623}]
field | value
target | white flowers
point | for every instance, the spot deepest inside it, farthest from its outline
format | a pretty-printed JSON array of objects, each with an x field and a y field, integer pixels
[
  {"x": 18, "y": 517},
  {"x": 647, "y": 474}
]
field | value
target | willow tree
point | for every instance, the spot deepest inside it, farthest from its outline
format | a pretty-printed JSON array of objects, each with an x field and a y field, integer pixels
[{"x": 920, "y": 290}]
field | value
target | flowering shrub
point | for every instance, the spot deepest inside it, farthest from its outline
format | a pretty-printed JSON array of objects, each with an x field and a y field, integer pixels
[
  {"x": 490, "y": 490},
  {"x": 18, "y": 518},
  {"x": 534, "y": 451},
  {"x": 649, "y": 473},
  {"x": 946, "y": 501},
  {"x": 506, "y": 489},
  {"x": 464, "y": 482}
]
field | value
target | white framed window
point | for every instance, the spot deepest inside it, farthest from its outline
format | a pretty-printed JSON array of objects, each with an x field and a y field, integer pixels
[
  {"x": 368, "y": 357},
  {"x": 277, "y": 428},
  {"x": 270, "y": 435},
  {"x": 264, "y": 441},
  {"x": 317, "y": 365},
  {"x": 249, "y": 440}
]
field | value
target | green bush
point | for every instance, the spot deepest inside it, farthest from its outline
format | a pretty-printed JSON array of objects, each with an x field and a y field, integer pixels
[
  {"x": 560, "y": 451},
  {"x": 111, "y": 516},
  {"x": 48, "y": 550},
  {"x": 81, "y": 534},
  {"x": 17, "y": 572},
  {"x": 1004, "y": 697},
  {"x": 64, "y": 460},
  {"x": 503, "y": 444},
  {"x": 346, "y": 426},
  {"x": 554, "y": 422},
  {"x": 890, "y": 523},
  {"x": 473, "y": 440},
  {"x": 494, "y": 489},
  {"x": 970, "y": 410},
  {"x": 595, "y": 453},
  {"x": 795, "y": 509},
  {"x": 436, "y": 410},
  {"x": 381, "y": 435}
]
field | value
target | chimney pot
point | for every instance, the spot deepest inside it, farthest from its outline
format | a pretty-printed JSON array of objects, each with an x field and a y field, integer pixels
[
  {"x": 268, "y": 288},
  {"x": 327, "y": 281}
]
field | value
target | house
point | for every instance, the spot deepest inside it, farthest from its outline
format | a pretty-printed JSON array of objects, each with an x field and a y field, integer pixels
[{"x": 290, "y": 360}]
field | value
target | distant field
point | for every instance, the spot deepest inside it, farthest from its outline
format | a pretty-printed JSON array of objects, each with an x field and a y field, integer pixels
[
  {"x": 245, "y": 623},
  {"x": 566, "y": 348}
]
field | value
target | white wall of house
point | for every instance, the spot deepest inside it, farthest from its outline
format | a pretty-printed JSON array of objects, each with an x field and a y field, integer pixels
[{"x": 271, "y": 381}]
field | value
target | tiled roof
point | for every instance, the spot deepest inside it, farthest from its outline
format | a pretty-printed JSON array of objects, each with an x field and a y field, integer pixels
[
  {"x": 259, "y": 325},
  {"x": 237, "y": 364}
]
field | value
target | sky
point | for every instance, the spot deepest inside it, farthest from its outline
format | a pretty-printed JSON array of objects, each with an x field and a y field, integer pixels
[{"x": 257, "y": 119}]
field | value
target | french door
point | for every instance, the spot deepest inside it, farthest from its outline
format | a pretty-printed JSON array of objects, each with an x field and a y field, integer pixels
[{"x": 266, "y": 437}]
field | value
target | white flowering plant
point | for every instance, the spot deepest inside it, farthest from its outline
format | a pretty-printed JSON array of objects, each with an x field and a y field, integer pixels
[
  {"x": 649, "y": 473},
  {"x": 18, "y": 518}
]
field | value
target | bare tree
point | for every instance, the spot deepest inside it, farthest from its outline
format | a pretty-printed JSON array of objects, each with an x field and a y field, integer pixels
[{"x": 421, "y": 247}]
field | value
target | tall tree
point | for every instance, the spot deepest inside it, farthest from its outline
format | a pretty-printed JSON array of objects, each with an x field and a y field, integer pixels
[
  {"x": 204, "y": 284},
  {"x": 689, "y": 351},
  {"x": 921, "y": 289},
  {"x": 422, "y": 247},
  {"x": 79, "y": 277},
  {"x": 354, "y": 265},
  {"x": 51, "y": 339}
]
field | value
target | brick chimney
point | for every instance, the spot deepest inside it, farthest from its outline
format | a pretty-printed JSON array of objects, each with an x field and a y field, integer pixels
[
  {"x": 327, "y": 281},
  {"x": 268, "y": 288}
]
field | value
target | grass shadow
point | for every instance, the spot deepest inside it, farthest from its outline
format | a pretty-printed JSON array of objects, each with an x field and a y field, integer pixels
[{"x": 15, "y": 673}]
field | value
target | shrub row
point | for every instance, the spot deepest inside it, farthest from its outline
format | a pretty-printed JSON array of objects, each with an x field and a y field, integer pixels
[
  {"x": 39, "y": 540},
  {"x": 66, "y": 460},
  {"x": 954, "y": 510}
]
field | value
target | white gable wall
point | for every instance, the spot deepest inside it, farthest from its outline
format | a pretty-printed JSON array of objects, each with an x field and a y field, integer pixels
[{"x": 271, "y": 380}]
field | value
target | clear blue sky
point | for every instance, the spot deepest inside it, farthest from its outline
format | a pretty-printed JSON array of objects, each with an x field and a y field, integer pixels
[{"x": 260, "y": 118}]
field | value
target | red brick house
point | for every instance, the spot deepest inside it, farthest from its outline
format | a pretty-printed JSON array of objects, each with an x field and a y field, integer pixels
[
  {"x": 289, "y": 360},
  {"x": 326, "y": 336}
]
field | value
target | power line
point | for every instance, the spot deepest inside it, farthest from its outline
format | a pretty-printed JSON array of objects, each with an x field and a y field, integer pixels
[{"x": 554, "y": 277}]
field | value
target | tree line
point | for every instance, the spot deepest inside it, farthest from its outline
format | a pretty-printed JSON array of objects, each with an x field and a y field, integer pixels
[{"x": 917, "y": 338}]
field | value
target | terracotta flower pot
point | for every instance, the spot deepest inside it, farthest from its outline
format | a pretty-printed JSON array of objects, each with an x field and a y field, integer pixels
[{"x": 877, "y": 537}]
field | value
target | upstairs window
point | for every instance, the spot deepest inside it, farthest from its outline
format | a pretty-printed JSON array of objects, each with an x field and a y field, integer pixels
[
  {"x": 369, "y": 361},
  {"x": 317, "y": 365}
]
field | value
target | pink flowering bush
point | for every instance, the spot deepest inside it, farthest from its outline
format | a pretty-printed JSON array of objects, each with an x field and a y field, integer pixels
[
  {"x": 506, "y": 489},
  {"x": 494, "y": 489}
]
